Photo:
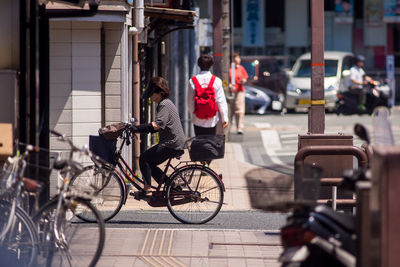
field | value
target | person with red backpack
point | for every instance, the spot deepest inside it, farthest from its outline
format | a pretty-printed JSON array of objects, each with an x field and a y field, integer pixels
[{"x": 206, "y": 99}]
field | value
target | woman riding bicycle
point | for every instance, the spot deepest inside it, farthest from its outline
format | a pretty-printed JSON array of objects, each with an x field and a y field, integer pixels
[{"x": 171, "y": 136}]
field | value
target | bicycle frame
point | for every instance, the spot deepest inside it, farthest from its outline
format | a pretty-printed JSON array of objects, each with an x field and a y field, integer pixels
[
  {"x": 136, "y": 181},
  {"x": 123, "y": 165}
]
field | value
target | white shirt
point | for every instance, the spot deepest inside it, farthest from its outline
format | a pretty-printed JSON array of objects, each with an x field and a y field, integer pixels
[
  {"x": 356, "y": 74},
  {"x": 204, "y": 77}
]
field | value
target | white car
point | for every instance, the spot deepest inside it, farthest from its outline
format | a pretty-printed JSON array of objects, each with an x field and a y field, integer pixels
[{"x": 337, "y": 71}]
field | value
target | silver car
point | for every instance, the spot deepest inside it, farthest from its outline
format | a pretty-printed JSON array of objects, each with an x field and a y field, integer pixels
[{"x": 298, "y": 90}]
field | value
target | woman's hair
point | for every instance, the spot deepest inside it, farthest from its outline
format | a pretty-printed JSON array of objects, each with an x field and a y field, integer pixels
[
  {"x": 205, "y": 62},
  {"x": 159, "y": 85}
]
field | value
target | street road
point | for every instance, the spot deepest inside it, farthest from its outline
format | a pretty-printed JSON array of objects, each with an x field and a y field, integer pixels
[{"x": 269, "y": 141}]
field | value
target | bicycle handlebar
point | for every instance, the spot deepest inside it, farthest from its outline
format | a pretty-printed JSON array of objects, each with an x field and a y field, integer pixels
[{"x": 64, "y": 138}]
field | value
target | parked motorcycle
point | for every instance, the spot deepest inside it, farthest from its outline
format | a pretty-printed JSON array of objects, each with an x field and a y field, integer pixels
[
  {"x": 318, "y": 235},
  {"x": 378, "y": 94}
]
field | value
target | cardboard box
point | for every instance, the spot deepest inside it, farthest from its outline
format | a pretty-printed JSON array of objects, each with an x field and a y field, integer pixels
[{"x": 6, "y": 140}]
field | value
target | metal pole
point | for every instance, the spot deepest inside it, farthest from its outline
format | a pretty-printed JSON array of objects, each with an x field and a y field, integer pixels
[
  {"x": 44, "y": 103},
  {"x": 226, "y": 41},
  {"x": 185, "y": 80},
  {"x": 217, "y": 37},
  {"x": 316, "y": 113},
  {"x": 136, "y": 95},
  {"x": 232, "y": 45}
]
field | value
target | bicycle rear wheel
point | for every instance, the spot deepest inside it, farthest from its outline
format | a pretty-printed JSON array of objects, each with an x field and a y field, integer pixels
[
  {"x": 19, "y": 244},
  {"x": 105, "y": 186},
  {"x": 65, "y": 240},
  {"x": 195, "y": 195}
]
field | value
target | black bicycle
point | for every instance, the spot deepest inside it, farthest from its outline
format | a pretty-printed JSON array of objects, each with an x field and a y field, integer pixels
[{"x": 192, "y": 192}]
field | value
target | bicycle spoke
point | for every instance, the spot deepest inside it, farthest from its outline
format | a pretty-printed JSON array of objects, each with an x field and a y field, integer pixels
[
  {"x": 78, "y": 244},
  {"x": 108, "y": 196},
  {"x": 194, "y": 206}
]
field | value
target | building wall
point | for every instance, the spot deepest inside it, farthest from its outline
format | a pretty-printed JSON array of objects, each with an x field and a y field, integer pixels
[
  {"x": 113, "y": 74},
  {"x": 75, "y": 84},
  {"x": 75, "y": 80},
  {"x": 9, "y": 59},
  {"x": 9, "y": 32}
]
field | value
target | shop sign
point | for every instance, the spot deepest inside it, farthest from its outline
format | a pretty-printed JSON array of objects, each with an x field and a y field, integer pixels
[
  {"x": 391, "y": 11},
  {"x": 390, "y": 76},
  {"x": 253, "y": 23},
  {"x": 344, "y": 11},
  {"x": 373, "y": 12}
]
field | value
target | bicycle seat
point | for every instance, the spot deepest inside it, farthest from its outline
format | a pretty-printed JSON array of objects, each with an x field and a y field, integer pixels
[{"x": 61, "y": 164}]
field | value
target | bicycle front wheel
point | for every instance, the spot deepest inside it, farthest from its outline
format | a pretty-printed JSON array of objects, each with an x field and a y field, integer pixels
[
  {"x": 105, "y": 187},
  {"x": 65, "y": 240},
  {"x": 195, "y": 195},
  {"x": 19, "y": 241}
]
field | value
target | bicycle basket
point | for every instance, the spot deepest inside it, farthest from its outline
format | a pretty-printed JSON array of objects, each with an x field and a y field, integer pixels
[
  {"x": 206, "y": 147},
  {"x": 112, "y": 131},
  {"x": 103, "y": 148}
]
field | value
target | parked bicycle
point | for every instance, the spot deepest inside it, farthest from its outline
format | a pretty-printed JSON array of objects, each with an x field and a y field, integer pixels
[
  {"x": 64, "y": 240},
  {"x": 19, "y": 241},
  {"x": 192, "y": 192}
]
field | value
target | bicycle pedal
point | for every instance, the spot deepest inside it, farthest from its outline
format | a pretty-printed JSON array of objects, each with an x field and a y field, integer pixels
[{"x": 136, "y": 195}]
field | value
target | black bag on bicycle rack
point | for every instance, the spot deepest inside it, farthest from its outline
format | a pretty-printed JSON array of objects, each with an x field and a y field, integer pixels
[
  {"x": 103, "y": 148},
  {"x": 207, "y": 147}
]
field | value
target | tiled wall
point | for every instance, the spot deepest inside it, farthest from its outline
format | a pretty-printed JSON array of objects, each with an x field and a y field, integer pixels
[
  {"x": 113, "y": 37},
  {"x": 75, "y": 80}
]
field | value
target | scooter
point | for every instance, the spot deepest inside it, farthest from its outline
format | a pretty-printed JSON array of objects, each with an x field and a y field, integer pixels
[
  {"x": 318, "y": 235},
  {"x": 378, "y": 94}
]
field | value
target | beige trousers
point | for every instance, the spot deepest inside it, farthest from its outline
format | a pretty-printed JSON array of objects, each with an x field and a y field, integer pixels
[{"x": 237, "y": 109}]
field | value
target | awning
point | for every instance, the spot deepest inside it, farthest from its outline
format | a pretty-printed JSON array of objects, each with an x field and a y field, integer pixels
[
  {"x": 170, "y": 14},
  {"x": 111, "y": 11},
  {"x": 117, "y": 6}
]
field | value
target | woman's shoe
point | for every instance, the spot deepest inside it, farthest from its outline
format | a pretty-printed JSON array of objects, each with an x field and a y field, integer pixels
[{"x": 138, "y": 195}]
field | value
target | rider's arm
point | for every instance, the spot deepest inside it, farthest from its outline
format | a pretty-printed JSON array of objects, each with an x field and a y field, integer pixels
[
  {"x": 356, "y": 82},
  {"x": 145, "y": 128},
  {"x": 368, "y": 79}
]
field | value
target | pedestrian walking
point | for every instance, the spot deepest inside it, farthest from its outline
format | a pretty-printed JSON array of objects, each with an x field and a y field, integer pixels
[
  {"x": 206, "y": 99},
  {"x": 238, "y": 103}
]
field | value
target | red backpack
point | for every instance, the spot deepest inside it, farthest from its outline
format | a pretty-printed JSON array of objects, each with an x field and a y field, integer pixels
[{"x": 204, "y": 99}]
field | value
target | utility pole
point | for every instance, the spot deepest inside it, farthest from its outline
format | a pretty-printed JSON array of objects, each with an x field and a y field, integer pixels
[
  {"x": 221, "y": 44},
  {"x": 226, "y": 41},
  {"x": 316, "y": 113},
  {"x": 217, "y": 37}
]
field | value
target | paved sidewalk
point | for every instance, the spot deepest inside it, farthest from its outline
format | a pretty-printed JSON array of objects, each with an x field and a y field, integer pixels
[
  {"x": 166, "y": 247},
  {"x": 233, "y": 169},
  {"x": 160, "y": 247}
]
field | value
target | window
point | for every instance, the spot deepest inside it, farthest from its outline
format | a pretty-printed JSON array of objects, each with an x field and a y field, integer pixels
[
  {"x": 329, "y": 5},
  {"x": 275, "y": 14},
  {"x": 237, "y": 13},
  {"x": 346, "y": 65},
  {"x": 304, "y": 69}
]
